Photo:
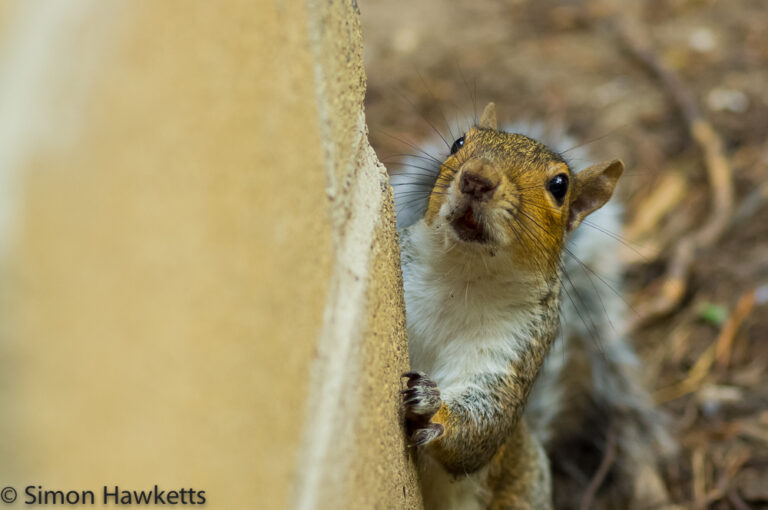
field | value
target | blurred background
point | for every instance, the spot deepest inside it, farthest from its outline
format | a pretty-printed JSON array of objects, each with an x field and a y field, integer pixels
[{"x": 678, "y": 90}]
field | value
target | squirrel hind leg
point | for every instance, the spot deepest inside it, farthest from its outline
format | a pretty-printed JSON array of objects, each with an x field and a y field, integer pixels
[{"x": 520, "y": 477}]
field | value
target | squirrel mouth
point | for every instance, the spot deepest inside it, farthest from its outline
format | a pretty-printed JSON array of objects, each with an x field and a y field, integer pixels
[{"x": 469, "y": 229}]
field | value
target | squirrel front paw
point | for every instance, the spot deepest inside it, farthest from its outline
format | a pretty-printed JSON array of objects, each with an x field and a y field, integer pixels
[{"x": 422, "y": 401}]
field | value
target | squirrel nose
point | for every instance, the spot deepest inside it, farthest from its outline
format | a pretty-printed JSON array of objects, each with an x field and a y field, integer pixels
[{"x": 479, "y": 179}]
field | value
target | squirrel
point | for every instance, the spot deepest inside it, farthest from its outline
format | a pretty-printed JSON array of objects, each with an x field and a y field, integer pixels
[{"x": 483, "y": 272}]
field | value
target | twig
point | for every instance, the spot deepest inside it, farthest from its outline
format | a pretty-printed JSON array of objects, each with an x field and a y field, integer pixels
[
  {"x": 736, "y": 501},
  {"x": 724, "y": 344},
  {"x": 723, "y": 486},
  {"x": 699, "y": 478},
  {"x": 756, "y": 199},
  {"x": 588, "y": 497},
  {"x": 675, "y": 283},
  {"x": 718, "y": 351},
  {"x": 692, "y": 382}
]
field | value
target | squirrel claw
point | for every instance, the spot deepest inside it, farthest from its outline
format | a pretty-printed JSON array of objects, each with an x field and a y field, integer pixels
[
  {"x": 414, "y": 375},
  {"x": 421, "y": 399},
  {"x": 425, "y": 435},
  {"x": 418, "y": 379}
]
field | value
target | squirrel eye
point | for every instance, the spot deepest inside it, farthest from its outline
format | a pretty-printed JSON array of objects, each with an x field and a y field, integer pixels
[
  {"x": 458, "y": 144},
  {"x": 558, "y": 186}
]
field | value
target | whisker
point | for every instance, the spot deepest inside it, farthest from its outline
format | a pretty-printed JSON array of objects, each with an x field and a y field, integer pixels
[
  {"x": 435, "y": 169},
  {"x": 588, "y": 223},
  {"x": 593, "y": 140},
  {"x": 405, "y": 142},
  {"x": 413, "y": 106},
  {"x": 419, "y": 193},
  {"x": 590, "y": 325},
  {"x": 419, "y": 184},
  {"x": 617, "y": 237},
  {"x": 591, "y": 282},
  {"x": 434, "y": 100},
  {"x": 466, "y": 85},
  {"x": 603, "y": 280},
  {"x": 428, "y": 170}
]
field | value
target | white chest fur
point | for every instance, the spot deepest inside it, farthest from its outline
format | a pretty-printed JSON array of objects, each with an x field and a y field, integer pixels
[{"x": 463, "y": 321}]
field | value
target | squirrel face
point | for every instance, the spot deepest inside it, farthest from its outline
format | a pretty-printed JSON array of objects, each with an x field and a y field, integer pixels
[{"x": 503, "y": 192}]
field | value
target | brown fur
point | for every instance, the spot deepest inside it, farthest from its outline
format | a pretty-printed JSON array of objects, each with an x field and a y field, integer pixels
[
  {"x": 519, "y": 476},
  {"x": 509, "y": 172},
  {"x": 521, "y": 167}
]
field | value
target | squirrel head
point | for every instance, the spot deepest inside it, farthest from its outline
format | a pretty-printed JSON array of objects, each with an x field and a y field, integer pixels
[{"x": 506, "y": 193}]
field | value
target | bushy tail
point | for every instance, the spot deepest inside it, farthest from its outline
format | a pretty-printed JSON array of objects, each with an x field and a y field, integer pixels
[{"x": 605, "y": 438}]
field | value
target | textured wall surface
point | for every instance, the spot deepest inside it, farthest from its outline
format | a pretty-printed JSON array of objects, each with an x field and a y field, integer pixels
[{"x": 200, "y": 279}]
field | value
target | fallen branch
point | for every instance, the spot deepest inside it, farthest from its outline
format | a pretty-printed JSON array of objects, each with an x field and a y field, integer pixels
[
  {"x": 675, "y": 283},
  {"x": 724, "y": 344},
  {"x": 698, "y": 466},
  {"x": 719, "y": 351},
  {"x": 692, "y": 382},
  {"x": 588, "y": 497}
]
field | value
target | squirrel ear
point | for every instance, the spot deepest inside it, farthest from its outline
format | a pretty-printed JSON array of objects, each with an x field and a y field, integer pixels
[
  {"x": 488, "y": 118},
  {"x": 592, "y": 188}
]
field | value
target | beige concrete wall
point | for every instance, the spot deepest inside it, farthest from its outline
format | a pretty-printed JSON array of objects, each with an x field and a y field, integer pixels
[{"x": 200, "y": 280}]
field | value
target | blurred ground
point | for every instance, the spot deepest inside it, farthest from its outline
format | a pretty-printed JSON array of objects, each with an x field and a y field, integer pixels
[{"x": 561, "y": 61}]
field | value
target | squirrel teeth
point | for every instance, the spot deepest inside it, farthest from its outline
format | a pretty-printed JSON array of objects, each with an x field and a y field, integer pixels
[{"x": 468, "y": 228}]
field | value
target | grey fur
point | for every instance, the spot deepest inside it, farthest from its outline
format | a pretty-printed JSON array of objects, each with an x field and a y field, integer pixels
[{"x": 591, "y": 381}]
